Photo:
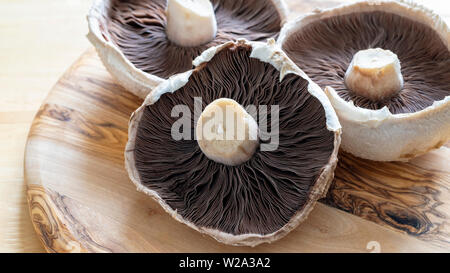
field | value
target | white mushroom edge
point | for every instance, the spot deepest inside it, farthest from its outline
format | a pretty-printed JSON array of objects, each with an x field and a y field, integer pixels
[
  {"x": 126, "y": 73},
  {"x": 378, "y": 134},
  {"x": 265, "y": 52}
]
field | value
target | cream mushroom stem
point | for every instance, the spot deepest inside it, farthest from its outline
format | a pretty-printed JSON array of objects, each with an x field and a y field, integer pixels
[
  {"x": 190, "y": 22},
  {"x": 374, "y": 74},
  {"x": 226, "y": 133}
]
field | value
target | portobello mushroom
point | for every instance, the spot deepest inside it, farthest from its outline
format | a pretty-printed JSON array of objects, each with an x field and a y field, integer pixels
[
  {"x": 385, "y": 66},
  {"x": 241, "y": 189}
]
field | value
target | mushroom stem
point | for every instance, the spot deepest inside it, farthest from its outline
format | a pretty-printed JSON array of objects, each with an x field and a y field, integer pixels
[
  {"x": 374, "y": 74},
  {"x": 226, "y": 133},
  {"x": 190, "y": 22}
]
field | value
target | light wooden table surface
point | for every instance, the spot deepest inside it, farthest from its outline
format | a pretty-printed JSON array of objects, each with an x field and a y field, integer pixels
[{"x": 39, "y": 41}]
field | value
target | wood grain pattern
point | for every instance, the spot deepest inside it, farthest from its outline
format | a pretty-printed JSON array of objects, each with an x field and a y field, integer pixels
[
  {"x": 81, "y": 199},
  {"x": 411, "y": 197},
  {"x": 44, "y": 215}
]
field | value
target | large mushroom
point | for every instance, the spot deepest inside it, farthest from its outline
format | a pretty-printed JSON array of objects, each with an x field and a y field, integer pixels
[
  {"x": 144, "y": 42},
  {"x": 385, "y": 66},
  {"x": 241, "y": 189}
]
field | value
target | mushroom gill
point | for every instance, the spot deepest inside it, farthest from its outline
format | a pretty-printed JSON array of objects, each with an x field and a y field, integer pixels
[
  {"x": 324, "y": 50},
  {"x": 138, "y": 28},
  {"x": 267, "y": 194}
]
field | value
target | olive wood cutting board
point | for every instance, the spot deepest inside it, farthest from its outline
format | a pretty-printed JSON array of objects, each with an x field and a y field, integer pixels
[{"x": 81, "y": 199}]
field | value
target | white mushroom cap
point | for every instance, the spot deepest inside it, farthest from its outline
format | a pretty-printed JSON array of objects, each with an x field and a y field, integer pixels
[
  {"x": 268, "y": 53},
  {"x": 126, "y": 73},
  {"x": 378, "y": 134},
  {"x": 381, "y": 136}
]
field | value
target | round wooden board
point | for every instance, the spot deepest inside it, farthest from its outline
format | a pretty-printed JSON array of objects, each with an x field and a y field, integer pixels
[{"x": 81, "y": 199}]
